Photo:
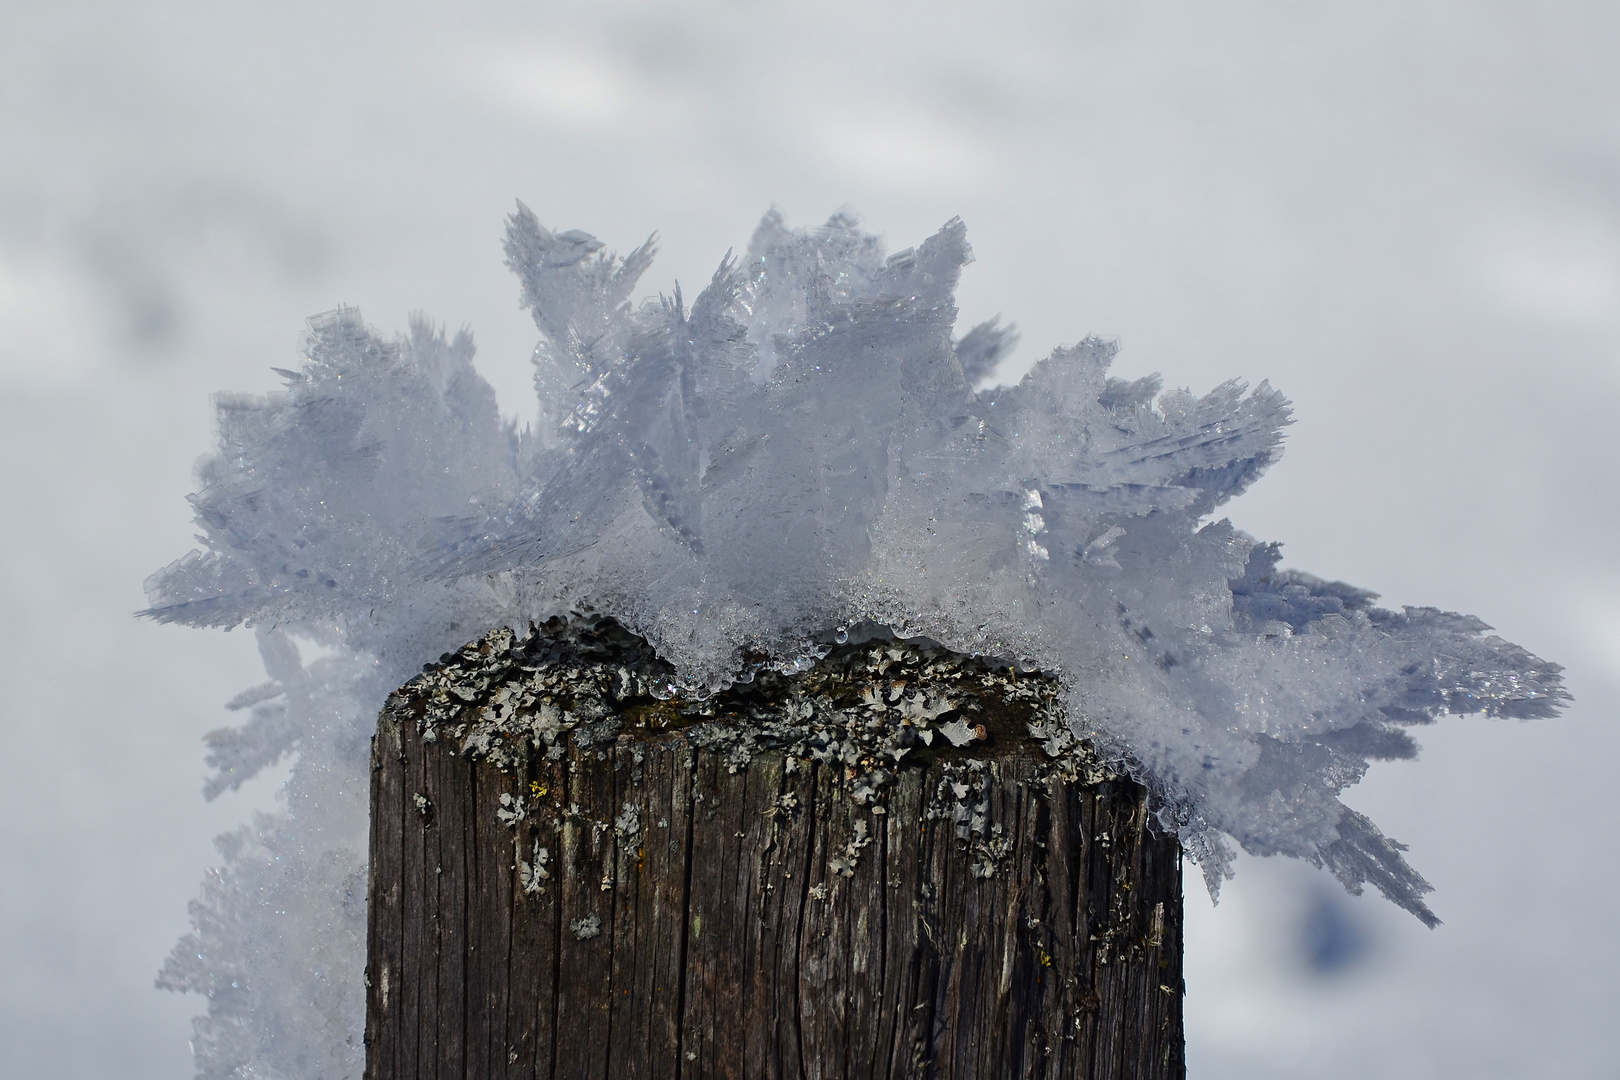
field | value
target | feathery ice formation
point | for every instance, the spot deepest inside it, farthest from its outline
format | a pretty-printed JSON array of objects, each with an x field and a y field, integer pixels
[{"x": 800, "y": 450}]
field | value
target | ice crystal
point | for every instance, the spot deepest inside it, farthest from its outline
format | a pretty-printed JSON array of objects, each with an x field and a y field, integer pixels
[{"x": 805, "y": 447}]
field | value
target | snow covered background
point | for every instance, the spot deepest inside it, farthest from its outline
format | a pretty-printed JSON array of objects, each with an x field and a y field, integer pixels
[{"x": 1406, "y": 216}]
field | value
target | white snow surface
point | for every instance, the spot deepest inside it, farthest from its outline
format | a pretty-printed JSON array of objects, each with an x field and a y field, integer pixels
[{"x": 807, "y": 445}]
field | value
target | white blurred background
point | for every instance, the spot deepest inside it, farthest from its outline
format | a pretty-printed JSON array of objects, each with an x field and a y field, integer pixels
[{"x": 1404, "y": 214}]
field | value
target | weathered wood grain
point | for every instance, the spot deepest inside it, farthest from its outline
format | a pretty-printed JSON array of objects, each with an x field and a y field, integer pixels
[{"x": 697, "y": 919}]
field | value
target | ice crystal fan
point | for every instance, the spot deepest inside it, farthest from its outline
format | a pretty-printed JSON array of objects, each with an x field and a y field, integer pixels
[{"x": 803, "y": 449}]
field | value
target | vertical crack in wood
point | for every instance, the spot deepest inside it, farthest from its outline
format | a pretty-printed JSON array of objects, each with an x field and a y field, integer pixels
[
  {"x": 805, "y": 874},
  {"x": 610, "y": 928},
  {"x": 882, "y": 856},
  {"x": 686, "y": 922},
  {"x": 565, "y": 791},
  {"x": 469, "y": 888}
]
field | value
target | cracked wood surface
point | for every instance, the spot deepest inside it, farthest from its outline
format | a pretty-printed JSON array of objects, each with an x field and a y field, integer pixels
[{"x": 699, "y": 922}]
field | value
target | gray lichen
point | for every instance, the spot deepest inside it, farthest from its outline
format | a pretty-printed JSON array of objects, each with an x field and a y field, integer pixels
[{"x": 868, "y": 708}]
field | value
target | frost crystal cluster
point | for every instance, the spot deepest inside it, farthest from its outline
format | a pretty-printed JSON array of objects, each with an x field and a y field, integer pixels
[{"x": 741, "y": 480}]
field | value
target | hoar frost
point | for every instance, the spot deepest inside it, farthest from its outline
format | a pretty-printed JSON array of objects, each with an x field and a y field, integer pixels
[{"x": 799, "y": 450}]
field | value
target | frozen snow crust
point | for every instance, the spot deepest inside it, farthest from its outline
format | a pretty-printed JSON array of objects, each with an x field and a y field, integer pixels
[{"x": 799, "y": 450}]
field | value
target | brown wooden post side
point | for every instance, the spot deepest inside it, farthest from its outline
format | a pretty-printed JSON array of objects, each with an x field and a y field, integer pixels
[{"x": 575, "y": 874}]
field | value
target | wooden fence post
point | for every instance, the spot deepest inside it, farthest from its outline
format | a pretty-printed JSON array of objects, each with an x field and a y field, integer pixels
[{"x": 897, "y": 864}]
